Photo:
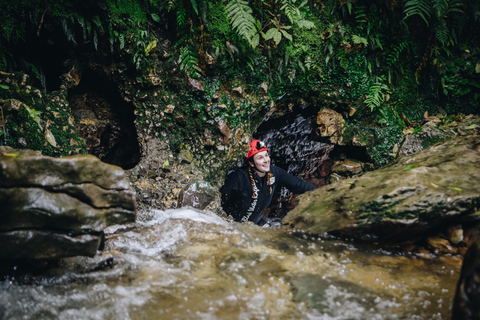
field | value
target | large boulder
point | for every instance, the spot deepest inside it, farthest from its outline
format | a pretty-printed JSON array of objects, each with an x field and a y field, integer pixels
[
  {"x": 58, "y": 207},
  {"x": 416, "y": 193},
  {"x": 466, "y": 304}
]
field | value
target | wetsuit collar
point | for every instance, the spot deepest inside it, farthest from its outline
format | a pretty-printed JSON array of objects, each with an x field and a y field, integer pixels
[{"x": 257, "y": 171}]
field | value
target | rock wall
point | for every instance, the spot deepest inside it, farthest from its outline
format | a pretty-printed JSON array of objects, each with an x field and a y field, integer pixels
[{"x": 58, "y": 207}]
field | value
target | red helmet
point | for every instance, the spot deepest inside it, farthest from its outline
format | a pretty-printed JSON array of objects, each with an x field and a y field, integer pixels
[{"x": 256, "y": 146}]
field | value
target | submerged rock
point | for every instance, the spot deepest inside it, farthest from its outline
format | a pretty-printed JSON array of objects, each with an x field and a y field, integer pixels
[
  {"x": 58, "y": 207},
  {"x": 198, "y": 194},
  {"x": 407, "y": 198}
]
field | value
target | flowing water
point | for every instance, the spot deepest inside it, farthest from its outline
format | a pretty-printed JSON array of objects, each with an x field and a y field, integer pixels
[{"x": 185, "y": 264}]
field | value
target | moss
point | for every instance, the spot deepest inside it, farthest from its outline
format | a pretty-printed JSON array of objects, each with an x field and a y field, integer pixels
[
  {"x": 430, "y": 141},
  {"x": 375, "y": 211},
  {"x": 24, "y": 131}
]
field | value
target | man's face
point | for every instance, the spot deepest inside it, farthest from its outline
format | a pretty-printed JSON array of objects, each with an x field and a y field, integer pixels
[{"x": 262, "y": 161}]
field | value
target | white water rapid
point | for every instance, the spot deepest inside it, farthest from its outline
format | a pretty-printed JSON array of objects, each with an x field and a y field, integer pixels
[{"x": 185, "y": 264}]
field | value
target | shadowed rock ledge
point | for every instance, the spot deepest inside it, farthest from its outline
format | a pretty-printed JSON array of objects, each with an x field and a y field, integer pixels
[{"x": 52, "y": 208}]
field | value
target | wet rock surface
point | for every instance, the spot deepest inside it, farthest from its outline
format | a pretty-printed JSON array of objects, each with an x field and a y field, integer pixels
[
  {"x": 58, "y": 207},
  {"x": 410, "y": 197},
  {"x": 436, "y": 129},
  {"x": 466, "y": 304},
  {"x": 198, "y": 194}
]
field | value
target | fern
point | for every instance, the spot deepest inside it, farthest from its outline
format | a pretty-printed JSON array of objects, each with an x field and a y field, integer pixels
[
  {"x": 189, "y": 62},
  {"x": 181, "y": 16},
  {"x": 441, "y": 32},
  {"x": 290, "y": 11},
  {"x": 359, "y": 40},
  {"x": 293, "y": 14},
  {"x": 393, "y": 58},
  {"x": 418, "y": 7},
  {"x": 443, "y": 9},
  {"x": 440, "y": 7},
  {"x": 242, "y": 20},
  {"x": 69, "y": 32},
  {"x": 169, "y": 4},
  {"x": 376, "y": 95},
  {"x": 96, "y": 20},
  {"x": 83, "y": 24}
]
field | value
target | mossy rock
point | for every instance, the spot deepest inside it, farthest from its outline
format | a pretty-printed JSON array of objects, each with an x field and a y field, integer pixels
[{"x": 412, "y": 195}]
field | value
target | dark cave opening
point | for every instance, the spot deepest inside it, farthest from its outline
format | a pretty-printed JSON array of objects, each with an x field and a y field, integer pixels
[
  {"x": 104, "y": 120},
  {"x": 297, "y": 148}
]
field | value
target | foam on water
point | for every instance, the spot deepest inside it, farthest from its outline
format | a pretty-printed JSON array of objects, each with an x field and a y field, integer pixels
[{"x": 184, "y": 264}]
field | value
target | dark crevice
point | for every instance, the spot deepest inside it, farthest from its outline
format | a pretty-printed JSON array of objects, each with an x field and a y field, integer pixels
[
  {"x": 105, "y": 121},
  {"x": 296, "y": 147}
]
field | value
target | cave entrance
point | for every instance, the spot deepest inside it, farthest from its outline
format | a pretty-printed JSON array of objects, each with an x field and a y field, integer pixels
[{"x": 105, "y": 121}]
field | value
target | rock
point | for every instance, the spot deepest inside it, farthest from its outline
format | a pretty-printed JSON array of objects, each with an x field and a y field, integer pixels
[
  {"x": 466, "y": 304},
  {"x": 198, "y": 194},
  {"x": 412, "y": 195},
  {"x": 72, "y": 78},
  {"x": 169, "y": 108},
  {"x": 441, "y": 245},
  {"x": 226, "y": 135},
  {"x": 414, "y": 143},
  {"x": 347, "y": 168},
  {"x": 210, "y": 59},
  {"x": 12, "y": 104},
  {"x": 58, "y": 207},
  {"x": 180, "y": 119},
  {"x": 455, "y": 234},
  {"x": 238, "y": 91},
  {"x": 264, "y": 87},
  {"x": 153, "y": 80},
  {"x": 185, "y": 156},
  {"x": 47, "y": 245},
  {"x": 197, "y": 85},
  {"x": 331, "y": 125}
]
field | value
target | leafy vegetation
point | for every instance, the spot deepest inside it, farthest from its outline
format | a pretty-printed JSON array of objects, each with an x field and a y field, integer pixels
[{"x": 389, "y": 60}]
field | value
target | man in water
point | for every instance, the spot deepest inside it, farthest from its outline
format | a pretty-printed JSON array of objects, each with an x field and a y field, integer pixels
[{"x": 248, "y": 191}]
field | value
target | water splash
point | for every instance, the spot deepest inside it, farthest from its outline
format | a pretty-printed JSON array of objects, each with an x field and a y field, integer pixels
[{"x": 186, "y": 264}]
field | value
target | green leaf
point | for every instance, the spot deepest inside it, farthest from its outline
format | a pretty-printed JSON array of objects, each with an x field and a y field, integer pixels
[
  {"x": 357, "y": 40},
  {"x": 194, "y": 5},
  {"x": 277, "y": 37},
  {"x": 4, "y": 87},
  {"x": 152, "y": 45},
  {"x": 418, "y": 7},
  {"x": 306, "y": 24},
  {"x": 13, "y": 155},
  {"x": 255, "y": 41},
  {"x": 165, "y": 164},
  {"x": 473, "y": 126},
  {"x": 241, "y": 19},
  {"x": 34, "y": 114},
  {"x": 454, "y": 188},
  {"x": 270, "y": 33},
  {"x": 409, "y": 167},
  {"x": 155, "y": 17},
  {"x": 286, "y": 34},
  {"x": 376, "y": 95}
]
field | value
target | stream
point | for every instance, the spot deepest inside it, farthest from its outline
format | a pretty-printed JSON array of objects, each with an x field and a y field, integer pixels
[{"x": 186, "y": 264}]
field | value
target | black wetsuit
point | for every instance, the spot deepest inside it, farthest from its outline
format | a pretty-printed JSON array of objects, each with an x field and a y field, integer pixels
[{"x": 237, "y": 193}]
